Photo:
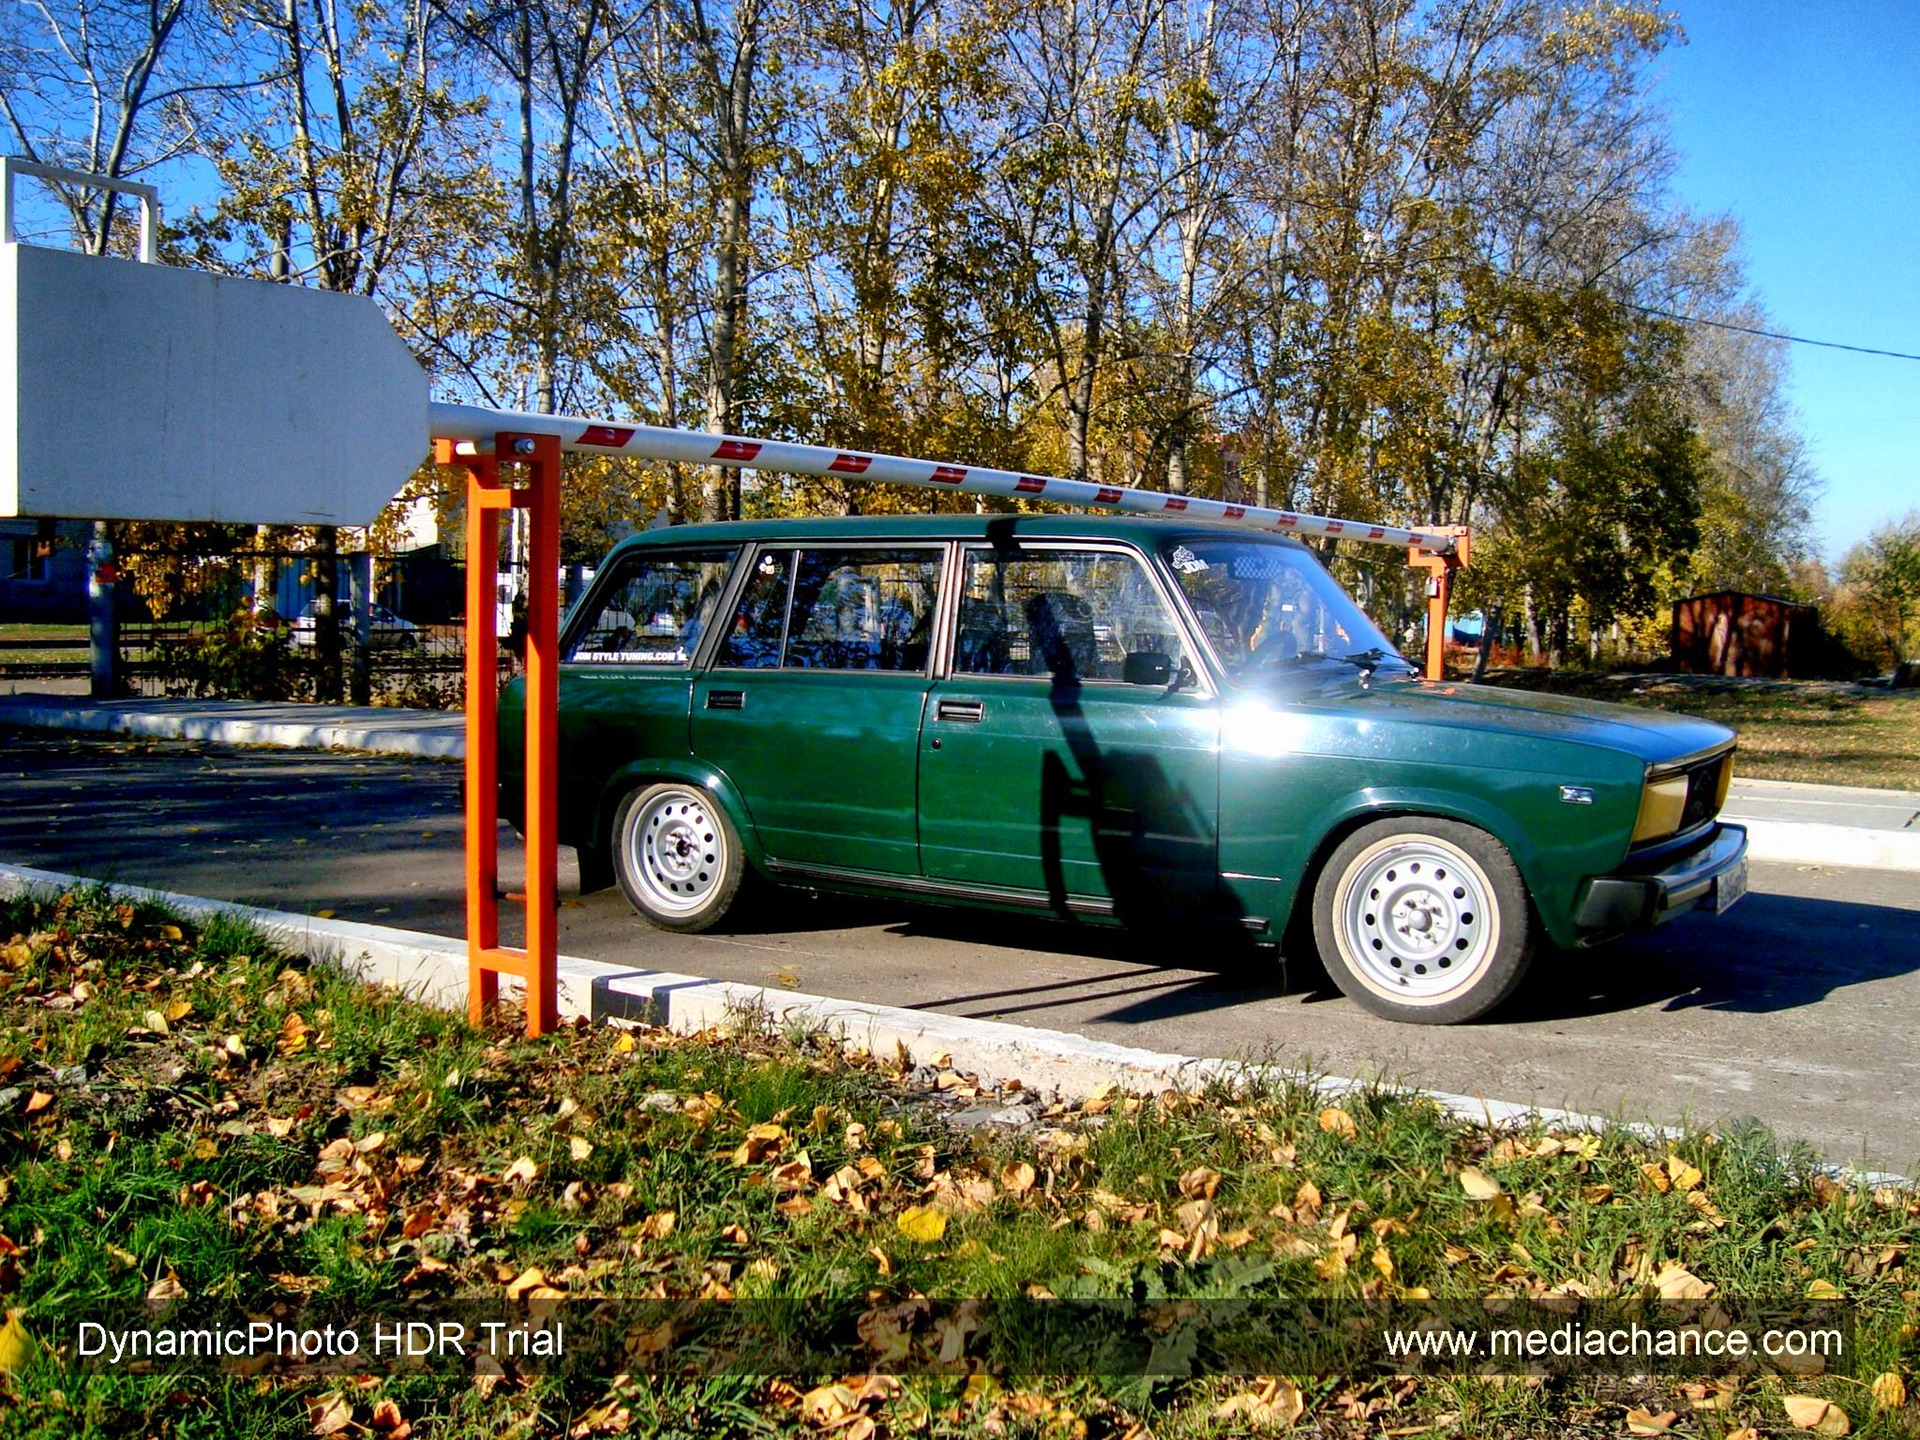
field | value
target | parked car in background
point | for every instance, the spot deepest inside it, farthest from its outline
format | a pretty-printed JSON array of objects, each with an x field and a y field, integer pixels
[
  {"x": 387, "y": 630},
  {"x": 1184, "y": 728}
]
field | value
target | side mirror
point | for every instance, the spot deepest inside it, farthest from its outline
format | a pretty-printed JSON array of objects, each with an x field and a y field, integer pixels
[{"x": 1147, "y": 667}]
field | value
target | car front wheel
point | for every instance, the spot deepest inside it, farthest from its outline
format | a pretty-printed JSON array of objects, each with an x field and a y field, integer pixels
[
  {"x": 677, "y": 856},
  {"x": 1423, "y": 920}
]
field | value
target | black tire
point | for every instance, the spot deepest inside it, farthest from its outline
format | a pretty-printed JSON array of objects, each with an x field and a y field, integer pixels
[
  {"x": 677, "y": 856},
  {"x": 1443, "y": 930}
]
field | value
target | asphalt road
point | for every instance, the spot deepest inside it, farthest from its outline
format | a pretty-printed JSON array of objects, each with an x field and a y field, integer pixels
[{"x": 1800, "y": 1006}]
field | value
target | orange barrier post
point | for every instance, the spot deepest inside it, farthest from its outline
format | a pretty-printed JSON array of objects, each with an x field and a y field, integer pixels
[
  {"x": 1440, "y": 566},
  {"x": 487, "y": 496}
]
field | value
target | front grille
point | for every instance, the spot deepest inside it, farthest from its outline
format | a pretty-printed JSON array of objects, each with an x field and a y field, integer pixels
[{"x": 1704, "y": 791}]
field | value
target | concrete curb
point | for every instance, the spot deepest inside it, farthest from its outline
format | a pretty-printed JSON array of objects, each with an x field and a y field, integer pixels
[
  {"x": 1798, "y": 842},
  {"x": 405, "y": 733}
]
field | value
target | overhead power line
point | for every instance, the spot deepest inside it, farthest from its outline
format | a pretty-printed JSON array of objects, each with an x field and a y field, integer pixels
[{"x": 1770, "y": 334}]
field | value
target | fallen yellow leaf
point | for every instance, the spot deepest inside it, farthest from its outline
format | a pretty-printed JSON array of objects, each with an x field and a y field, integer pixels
[
  {"x": 1200, "y": 1183},
  {"x": 522, "y": 1171},
  {"x": 761, "y": 1141},
  {"x": 1017, "y": 1178},
  {"x": 1276, "y": 1402},
  {"x": 329, "y": 1414},
  {"x": 1645, "y": 1422},
  {"x": 1810, "y": 1412},
  {"x": 828, "y": 1405},
  {"x": 921, "y": 1223},
  {"x": 1478, "y": 1184},
  {"x": 1680, "y": 1174},
  {"x": 1676, "y": 1282},
  {"x": 1336, "y": 1121},
  {"x": 579, "y": 1149},
  {"x": 16, "y": 1345},
  {"x": 1889, "y": 1391}
]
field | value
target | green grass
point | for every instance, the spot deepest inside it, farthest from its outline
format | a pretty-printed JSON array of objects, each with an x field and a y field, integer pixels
[
  {"x": 1814, "y": 731},
  {"x": 22, "y": 631},
  {"x": 223, "y": 1140}
]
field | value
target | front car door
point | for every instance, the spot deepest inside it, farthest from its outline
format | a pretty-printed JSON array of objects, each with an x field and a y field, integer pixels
[
  {"x": 626, "y": 671},
  {"x": 813, "y": 700},
  {"x": 1043, "y": 772}
]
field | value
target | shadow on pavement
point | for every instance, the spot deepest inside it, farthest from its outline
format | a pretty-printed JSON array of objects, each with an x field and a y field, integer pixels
[{"x": 1773, "y": 953}]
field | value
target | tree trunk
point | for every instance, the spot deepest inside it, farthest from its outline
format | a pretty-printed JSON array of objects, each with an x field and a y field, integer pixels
[{"x": 1489, "y": 626}]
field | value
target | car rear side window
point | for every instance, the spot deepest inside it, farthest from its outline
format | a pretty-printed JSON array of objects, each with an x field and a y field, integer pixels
[
  {"x": 1069, "y": 614},
  {"x": 836, "y": 609},
  {"x": 655, "y": 609}
]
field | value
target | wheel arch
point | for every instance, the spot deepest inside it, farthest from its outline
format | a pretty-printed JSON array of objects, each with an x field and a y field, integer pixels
[{"x": 638, "y": 774}]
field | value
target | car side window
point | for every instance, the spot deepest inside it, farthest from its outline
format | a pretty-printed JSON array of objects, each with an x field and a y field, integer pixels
[
  {"x": 1072, "y": 615},
  {"x": 862, "y": 610},
  {"x": 655, "y": 610},
  {"x": 759, "y": 621},
  {"x": 835, "y": 608}
]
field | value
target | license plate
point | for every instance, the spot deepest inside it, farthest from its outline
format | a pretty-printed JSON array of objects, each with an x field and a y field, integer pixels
[{"x": 1730, "y": 887}]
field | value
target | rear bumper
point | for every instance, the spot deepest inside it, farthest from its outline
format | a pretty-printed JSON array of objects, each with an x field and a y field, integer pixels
[{"x": 1676, "y": 882}]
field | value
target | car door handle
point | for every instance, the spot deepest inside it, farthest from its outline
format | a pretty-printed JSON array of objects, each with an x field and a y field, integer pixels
[
  {"x": 968, "y": 712},
  {"x": 726, "y": 699}
]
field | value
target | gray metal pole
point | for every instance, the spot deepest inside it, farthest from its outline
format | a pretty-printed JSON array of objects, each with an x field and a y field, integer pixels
[
  {"x": 326, "y": 615},
  {"x": 103, "y": 627},
  {"x": 360, "y": 585}
]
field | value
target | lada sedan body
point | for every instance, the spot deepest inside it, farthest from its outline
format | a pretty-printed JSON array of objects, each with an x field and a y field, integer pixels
[{"x": 1113, "y": 720}]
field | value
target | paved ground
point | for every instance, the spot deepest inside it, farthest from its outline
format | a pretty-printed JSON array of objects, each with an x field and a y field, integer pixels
[
  {"x": 1897, "y": 810},
  {"x": 1799, "y": 1006}
]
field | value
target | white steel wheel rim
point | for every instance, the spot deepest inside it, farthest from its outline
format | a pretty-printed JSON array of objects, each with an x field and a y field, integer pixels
[
  {"x": 679, "y": 851},
  {"x": 1416, "y": 919}
]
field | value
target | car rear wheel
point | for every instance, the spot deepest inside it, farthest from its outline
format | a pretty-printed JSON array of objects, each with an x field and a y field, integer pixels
[
  {"x": 1423, "y": 920},
  {"x": 677, "y": 856}
]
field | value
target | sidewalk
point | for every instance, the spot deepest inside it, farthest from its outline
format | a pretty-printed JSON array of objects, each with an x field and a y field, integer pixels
[{"x": 1787, "y": 822}]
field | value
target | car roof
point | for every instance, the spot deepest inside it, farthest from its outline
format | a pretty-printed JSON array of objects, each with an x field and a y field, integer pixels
[{"x": 1141, "y": 530}]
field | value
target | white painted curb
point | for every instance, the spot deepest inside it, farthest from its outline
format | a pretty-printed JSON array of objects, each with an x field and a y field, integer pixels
[
  {"x": 1794, "y": 842},
  {"x": 432, "y": 739}
]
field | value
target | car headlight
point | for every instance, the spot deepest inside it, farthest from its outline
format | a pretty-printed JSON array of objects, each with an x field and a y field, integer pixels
[{"x": 1662, "y": 804}]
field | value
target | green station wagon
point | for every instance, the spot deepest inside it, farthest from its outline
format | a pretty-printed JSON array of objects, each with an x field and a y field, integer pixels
[{"x": 1109, "y": 719}]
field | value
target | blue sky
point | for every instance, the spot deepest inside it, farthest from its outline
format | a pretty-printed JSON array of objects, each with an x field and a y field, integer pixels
[{"x": 1803, "y": 122}]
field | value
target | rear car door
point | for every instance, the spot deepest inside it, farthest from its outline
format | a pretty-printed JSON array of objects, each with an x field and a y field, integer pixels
[
  {"x": 813, "y": 699},
  {"x": 1042, "y": 770}
]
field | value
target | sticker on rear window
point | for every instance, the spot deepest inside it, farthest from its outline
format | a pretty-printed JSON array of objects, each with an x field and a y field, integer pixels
[{"x": 1186, "y": 562}]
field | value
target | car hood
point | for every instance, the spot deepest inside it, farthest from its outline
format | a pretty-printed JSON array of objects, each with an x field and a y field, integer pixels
[{"x": 1652, "y": 736}]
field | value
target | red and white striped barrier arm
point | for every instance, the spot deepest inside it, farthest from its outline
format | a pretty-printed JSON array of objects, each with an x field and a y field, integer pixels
[{"x": 696, "y": 447}]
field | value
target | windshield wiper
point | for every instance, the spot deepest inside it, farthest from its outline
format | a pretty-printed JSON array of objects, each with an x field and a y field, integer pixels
[{"x": 1369, "y": 660}]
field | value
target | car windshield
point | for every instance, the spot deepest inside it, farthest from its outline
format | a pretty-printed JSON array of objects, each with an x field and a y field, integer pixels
[{"x": 1269, "y": 607}]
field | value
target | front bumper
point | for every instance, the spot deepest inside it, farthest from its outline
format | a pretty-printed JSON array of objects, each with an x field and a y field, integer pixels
[{"x": 1709, "y": 871}]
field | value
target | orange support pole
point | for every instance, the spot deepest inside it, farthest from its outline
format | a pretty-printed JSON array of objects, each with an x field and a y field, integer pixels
[
  {"x": 537, "y": 964},
  {"x": 1440, "y": 567}
]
